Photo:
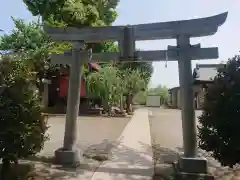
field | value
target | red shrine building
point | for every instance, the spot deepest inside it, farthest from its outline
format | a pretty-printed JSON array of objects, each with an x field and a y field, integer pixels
[{"x": 58, "y": 89}]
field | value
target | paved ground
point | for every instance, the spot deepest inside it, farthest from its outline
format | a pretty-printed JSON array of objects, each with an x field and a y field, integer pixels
[
  {"x": 166, "y": 130},
  {"x": 167, "y": 127},
  {"x": 96, "y": 132},
  {"x": 96, "y": 136},
  {"x": 132, "y": 158}
]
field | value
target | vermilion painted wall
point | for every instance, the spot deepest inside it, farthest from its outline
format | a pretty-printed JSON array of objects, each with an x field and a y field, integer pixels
[
  {"x": 63, "y": 82},
  {"x": 63, "y": 86}
]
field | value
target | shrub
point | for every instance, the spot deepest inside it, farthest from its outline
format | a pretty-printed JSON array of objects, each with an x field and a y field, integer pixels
[
  {"x": 219, "y": 128},
  {"x": 22, "y": 125}
]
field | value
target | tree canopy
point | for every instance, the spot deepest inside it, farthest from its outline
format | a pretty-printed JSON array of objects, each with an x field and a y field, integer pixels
[
  {"x": 145, "y": 67},
  {"x": 24, "y": 37},
  {"x": 219, "y": 124},
  {"x": 75, "y": 12},
  {"x": 29, "y": 41},
  {"x": 22, "y": 124}
]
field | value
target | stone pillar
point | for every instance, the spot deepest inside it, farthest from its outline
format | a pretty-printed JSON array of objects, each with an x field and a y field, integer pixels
[
  {"x": 46, "y": 83},
  {"x": 189, "y": 162},
  {"x": 186, "y": 94},
  {"x": 69, "y": 154}
]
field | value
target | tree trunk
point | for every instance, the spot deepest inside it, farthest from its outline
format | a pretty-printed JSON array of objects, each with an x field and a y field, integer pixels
[
  {"x": 127, "y": 104},
  {"x": 106, "y": 108},
  {"x": 131, "y": 103},
  {"x": 121, "y": 105},
  {"x": 129, "y": 100},
  {"x": 5, "y": 169}
]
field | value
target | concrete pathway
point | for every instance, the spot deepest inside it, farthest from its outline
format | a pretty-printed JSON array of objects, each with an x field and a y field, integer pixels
[{"x": 132, "y": 157}]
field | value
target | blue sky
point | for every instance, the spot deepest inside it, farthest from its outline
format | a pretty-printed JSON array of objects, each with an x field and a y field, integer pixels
[{"x": 142, "y": 11}]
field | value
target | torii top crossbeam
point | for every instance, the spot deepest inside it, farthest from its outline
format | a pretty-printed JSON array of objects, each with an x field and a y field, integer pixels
[{"x": 153, "y": 31}]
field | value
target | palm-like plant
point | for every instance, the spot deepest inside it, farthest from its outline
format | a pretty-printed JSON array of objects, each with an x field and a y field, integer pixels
[
  {"x": 106, "y": 84},
  {"x": 132, "y": 82}
]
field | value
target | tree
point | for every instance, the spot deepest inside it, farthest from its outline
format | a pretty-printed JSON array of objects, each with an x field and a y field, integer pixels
[
  {"x": 219, "y": 123},
  {"x": 141, "y": 98},
  {"x": 24, "y": 37},
  {"x": 75, "y": 12},
  {"x": 22, "y": 125},
  {"x": 145, "y": 68},
  {"x": 30, "y": 42},
  {"x": 111, "y": 84},
  {"x": 106, "y": 84},
  {"x": 133, "y": 83},
  {"x": 81, "y": 13}
]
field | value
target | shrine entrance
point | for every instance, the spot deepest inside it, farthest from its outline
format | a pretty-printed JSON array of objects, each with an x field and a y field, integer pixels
[{"x": 126, "y": 36}]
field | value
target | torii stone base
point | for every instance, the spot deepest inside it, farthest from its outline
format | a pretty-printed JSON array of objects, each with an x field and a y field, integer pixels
[
  {"x": 68, "y": 157},
  {"x": 192, "y": 169}
]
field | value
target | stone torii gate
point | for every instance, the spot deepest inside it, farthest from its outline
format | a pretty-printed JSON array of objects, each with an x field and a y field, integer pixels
[{"x": 126, "y": 36}]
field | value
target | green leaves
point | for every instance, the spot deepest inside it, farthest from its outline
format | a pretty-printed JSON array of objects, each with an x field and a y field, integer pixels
[
  {"x": 111, "y": 84},
  {"x": 33, "y": 46},
  {"x": 219, "y": 124},
  {"x": 159, "y": 90},
  {"x": 105, "y": 84},
  {"x": 22, "y": 126},
  {"x": 45, "y": 8},
  {"x": 132, "y": 81},
  {"x": 24, "y": 37},
  {"x": 75, "y": 12},
  {"x": 144, "y": 67}
]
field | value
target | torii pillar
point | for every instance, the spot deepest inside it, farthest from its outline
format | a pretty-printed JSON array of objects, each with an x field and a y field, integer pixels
[
  {"x": 188, "y": 162},
  {"x": 69, "y": 153}
]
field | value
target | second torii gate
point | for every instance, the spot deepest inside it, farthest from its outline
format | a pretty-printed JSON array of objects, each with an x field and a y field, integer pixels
[{"x": 184, "y": 52}]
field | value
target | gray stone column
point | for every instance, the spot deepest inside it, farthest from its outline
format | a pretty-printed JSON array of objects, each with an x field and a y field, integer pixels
[
  {"x": 45, "y": 98},
  {"x": 69, "y": 154},
  {"x": 73, "y": 96},
  {"x": 186, "y": 94},
  {"x": 189, "y": 162}
]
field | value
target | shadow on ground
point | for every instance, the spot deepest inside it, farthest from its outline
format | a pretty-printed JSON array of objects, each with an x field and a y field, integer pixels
[
  {"x": 44, "y": 167},
  {"x": 164, "y": 155}
]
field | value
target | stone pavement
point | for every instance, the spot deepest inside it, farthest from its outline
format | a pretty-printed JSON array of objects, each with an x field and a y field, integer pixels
[
  {"x": 93, "y": 132},
  {"x": 132, "y": 157},
  {"x": 166, "y": 129}
]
